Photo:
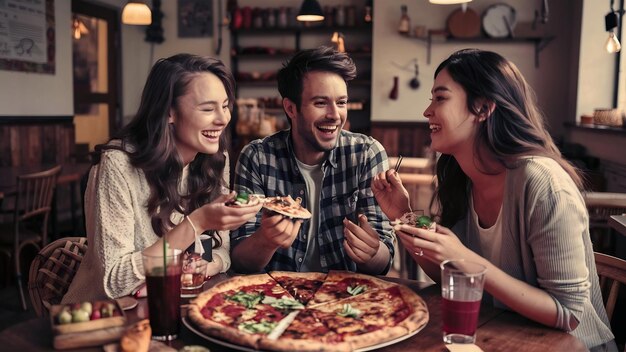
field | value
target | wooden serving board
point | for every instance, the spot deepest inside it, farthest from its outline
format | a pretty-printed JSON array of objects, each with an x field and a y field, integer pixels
[
  {"x": 87, "y": 325},
  {"x": 88, "y": 338},
  {"x": 88, "y": 333}
]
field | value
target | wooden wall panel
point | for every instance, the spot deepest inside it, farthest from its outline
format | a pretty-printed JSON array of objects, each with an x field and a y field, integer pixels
[
  {"x": 36, "y": 140},
  {"x": 402, "y": 138}
]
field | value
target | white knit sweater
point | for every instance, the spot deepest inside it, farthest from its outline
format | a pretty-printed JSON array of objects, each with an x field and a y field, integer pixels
[{"x": 118, "y": 229}]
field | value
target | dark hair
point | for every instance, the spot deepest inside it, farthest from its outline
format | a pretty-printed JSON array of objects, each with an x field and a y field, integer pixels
[
  {"x": 323, "y": 58},
  {"x": 515, "y": 128},
  {"x": 152, "y": 146}
]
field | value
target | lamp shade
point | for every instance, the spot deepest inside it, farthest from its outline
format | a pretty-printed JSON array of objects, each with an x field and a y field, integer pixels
[
  {"x": 310, "y": 11},
  {"x": 136, "y": 13},
  {"x": 448, "y": 2}
]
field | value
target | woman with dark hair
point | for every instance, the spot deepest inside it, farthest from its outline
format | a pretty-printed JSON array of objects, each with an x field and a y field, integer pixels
[
  {"x": 161, "y": 178},
  {"x": 507, "y": 199}
]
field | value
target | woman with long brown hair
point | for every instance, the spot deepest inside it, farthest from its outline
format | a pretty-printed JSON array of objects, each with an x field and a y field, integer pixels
[
  {"x": 507, "y": 199},
  {"x": 162, "y": 178}
]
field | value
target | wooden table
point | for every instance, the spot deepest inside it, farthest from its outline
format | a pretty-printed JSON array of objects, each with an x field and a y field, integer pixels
[
  {"x": 618, "y": 223},
  {"x": 71, "y": 174},
  {"x": 498, "y": 330}
]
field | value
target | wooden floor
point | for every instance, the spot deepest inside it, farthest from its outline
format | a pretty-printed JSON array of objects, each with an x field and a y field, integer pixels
[{"x": 11, "y": 312}]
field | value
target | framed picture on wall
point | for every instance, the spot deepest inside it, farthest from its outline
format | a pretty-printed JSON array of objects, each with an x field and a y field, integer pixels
[
  {"x": 27, "y": 36},
  {"x": 195, "y": 18}
]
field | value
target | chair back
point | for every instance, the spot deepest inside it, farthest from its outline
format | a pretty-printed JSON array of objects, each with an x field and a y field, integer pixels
[
  {"x": 601, "y": 205},
  {"x": 34, "y": 195},
  {"x": 612, "y": 273},
  {"x": 52, "y": 271}
]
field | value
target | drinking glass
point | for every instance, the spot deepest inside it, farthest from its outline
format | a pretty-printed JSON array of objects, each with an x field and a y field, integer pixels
[
  {"x": 193, "y": 274},
  {"x": 163, "y": 285},
  {"x": 462, "y": 285}
]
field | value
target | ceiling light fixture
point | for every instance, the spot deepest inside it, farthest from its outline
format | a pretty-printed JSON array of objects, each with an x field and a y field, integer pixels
[
  {"x": 136, "y": 13},
  {"x": 611, "y": 24},
  {"x": 448, "y": 2},
  {"x": 310, "y": 11}
]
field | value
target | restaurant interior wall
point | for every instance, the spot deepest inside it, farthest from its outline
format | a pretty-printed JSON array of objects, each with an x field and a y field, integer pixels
[
  {"x": 393, "y": 53},
  {"x": 38, "y": 94},
  {"x": 596, "y": 72},
  {"x": 138, "y": 55},
  {"x": 53, "y": 98}
]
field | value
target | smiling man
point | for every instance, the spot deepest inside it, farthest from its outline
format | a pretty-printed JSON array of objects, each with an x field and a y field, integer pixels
[{"x": 329, "y": 168}]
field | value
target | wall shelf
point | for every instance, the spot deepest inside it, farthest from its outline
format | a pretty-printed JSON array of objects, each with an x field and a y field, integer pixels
[{"x": 539, "y": 43}]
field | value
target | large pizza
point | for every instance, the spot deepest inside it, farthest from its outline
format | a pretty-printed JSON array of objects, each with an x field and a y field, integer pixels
[{"x": 290, "y": 311}]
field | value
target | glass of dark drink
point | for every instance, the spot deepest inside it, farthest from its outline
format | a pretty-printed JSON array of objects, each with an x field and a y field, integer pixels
[
  {"x": 163, "y": 284},
  {"x": 462, "y": 285},
  {"x": 193, "y": 274}
]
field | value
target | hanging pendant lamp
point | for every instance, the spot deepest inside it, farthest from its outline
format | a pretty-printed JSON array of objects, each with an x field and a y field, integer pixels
[
  {"x": 136, "y": 13},
  {"x": 448, "y": 2},
  {"x": 310, "y": 11}
]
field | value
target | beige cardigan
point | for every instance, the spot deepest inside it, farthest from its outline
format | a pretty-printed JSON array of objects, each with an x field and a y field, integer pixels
[{"x": 118, "y": 229}]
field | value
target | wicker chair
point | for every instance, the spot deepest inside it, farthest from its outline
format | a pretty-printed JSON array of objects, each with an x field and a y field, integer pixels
[
  {"x": 52, "y": 272},
  {"x": 601, "y": 205},
  {"x": 612, "y": 274},
  {"x": 31, "y": 211}
]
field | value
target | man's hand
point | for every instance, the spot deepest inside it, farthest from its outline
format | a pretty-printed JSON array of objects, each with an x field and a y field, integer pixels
[
  {"x": 361, "y": 241},
  {"x": 279, "y": 230}
]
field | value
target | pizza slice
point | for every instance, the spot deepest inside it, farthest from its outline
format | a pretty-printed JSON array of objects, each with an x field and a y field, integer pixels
[
  {"x": 306, "y": 333},
  {"x": 302, "y": 286},
  {"x": 416, "y": 220},
  {"x": 243, "y": 309},
  {"x": 287, "y": 206},
  {"x": 373, "y": 317},
  {"x": 243, "y": 199},
  {"x": 343, "y": 284}
]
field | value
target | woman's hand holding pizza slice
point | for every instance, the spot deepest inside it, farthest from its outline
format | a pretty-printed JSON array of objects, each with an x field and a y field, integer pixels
[{"x": 218, "y": 216}]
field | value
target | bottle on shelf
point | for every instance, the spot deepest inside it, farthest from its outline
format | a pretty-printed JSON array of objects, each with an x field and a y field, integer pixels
[
  {"x": 405, "y": 22},
  {"x": 367, "y": 17},
  {"x": 368, "y": 14}
]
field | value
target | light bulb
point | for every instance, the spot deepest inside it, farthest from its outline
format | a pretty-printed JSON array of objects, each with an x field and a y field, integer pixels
[{"x": 612, "y": 44}]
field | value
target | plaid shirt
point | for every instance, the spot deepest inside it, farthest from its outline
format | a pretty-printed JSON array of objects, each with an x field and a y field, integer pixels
[{"x": 269, "y": 167}]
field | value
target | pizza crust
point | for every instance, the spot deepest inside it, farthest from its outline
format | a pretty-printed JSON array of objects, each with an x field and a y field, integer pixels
[
  {"x": 303, "y": 345},
  {"x": 419, "y": 316}
]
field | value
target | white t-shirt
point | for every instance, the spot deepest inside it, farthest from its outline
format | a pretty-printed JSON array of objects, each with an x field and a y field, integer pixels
[
  {"x": 313, "y": 175},
  {"x": 490, "y": 238}
]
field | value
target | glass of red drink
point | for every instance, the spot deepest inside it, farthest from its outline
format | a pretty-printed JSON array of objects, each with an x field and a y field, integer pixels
[
  {"x": 163, "y": 286},
  {"x": 462, "y": 285},
  {"x": 193, "y": 274}
]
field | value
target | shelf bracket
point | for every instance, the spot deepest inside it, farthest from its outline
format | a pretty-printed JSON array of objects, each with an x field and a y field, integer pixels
[{"x": 540, "y": 44}]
